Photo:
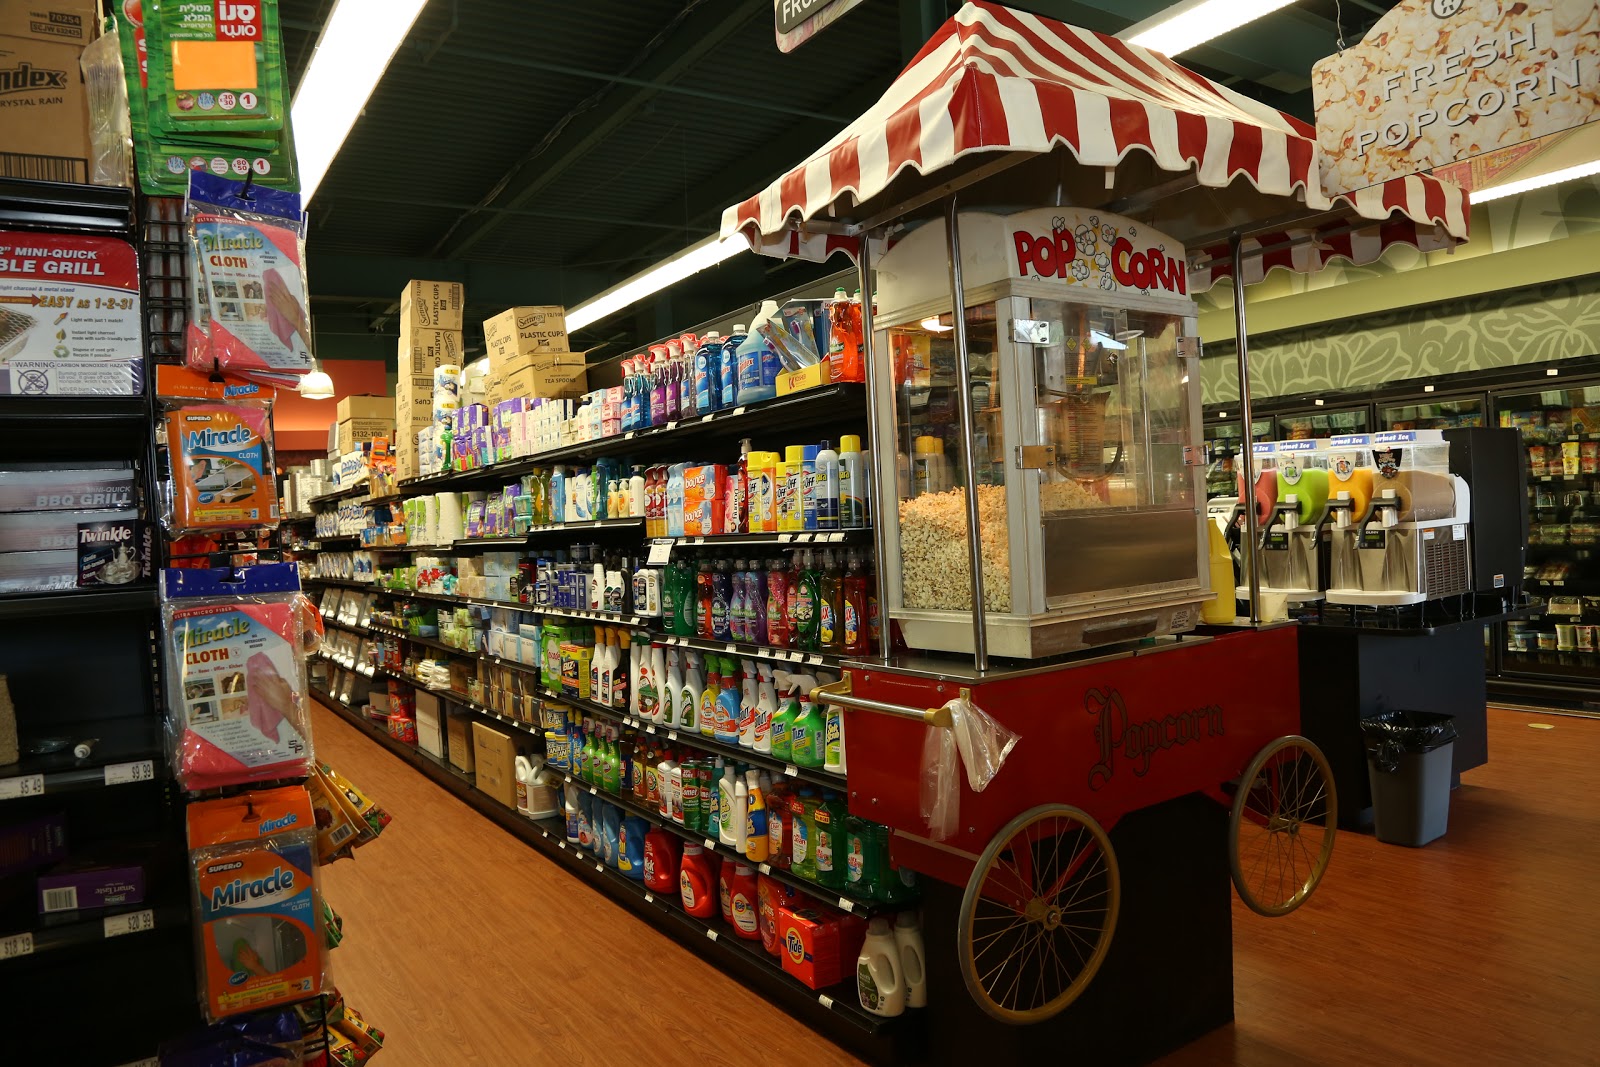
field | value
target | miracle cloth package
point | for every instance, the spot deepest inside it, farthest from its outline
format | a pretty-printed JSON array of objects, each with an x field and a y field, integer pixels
[
  {"x": 258, "y": 942},
  {"x": 249, "y": 258},
  {"x": 236, "y": 687},
  {"x": 70, "y": 320},
  {"x": 219, "y": 447}
]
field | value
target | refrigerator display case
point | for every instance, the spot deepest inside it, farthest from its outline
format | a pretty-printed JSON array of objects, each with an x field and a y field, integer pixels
[
  {"x": 1446, "y": 414},
  {"x": 1561, "y": 437},
  {"x": 1313, "y": 425},
  {"x": 1086, "y": 412},
  {"x": 1222, "y": 449}
]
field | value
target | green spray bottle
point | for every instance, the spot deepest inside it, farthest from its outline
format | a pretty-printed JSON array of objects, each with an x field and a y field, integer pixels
[
  {"x": 806, "y": 732},
  {"x": 830, "y": 819},
  {"x": 788, "y": 707}
]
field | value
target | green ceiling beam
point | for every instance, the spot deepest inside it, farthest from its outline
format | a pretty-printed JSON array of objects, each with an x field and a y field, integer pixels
[
  {"x": 687, "y": 48},
  {"x": 344, "y": 279},
  {"x": 918, "y": 20}
]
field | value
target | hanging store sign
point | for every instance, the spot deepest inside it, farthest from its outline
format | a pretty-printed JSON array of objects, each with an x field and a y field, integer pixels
[
  {"x": 800, "y": 20},
  {"x": 1468, "y": 89}
]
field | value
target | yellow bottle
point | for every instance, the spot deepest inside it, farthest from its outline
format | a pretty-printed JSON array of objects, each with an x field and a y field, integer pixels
[{"x": 1220, "y": 609}]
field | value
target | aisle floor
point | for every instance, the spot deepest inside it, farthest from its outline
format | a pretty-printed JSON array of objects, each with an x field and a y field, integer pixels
[{"x": 469, "y": 948}]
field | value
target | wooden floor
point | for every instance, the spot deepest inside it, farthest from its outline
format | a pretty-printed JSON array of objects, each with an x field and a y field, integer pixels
[{"x": 1484, "y": 948}]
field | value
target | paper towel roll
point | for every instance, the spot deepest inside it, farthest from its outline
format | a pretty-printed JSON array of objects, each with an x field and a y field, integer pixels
[
  {"x": 450, "y": 525},
  {"x": 430, "y": 520},
  {"x": 446, "y": 393}
]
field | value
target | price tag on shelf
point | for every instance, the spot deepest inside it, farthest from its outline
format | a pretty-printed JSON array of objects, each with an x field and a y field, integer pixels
[
  {"x": 673, "y": 425},
  {"x": 795, "y": 656},
  {"x": 697, "y": 540},
  {"x": 135, "y": 922},
  {"x": 1559, "y": 581},
  {"x": 649, "y": 898},
  {"x": 672, "y": 735},
  {"x": 710, "y": 845},
  {"x": 836, "y": 537},
  {"x": 563, "y": 844},
  {"x": 544, "y": 833},
  {"x": 593, "y": 791},
  {"x": 784, "y": 538},
  {"x": 651, "y": 728},
  {"x": 813, "y": 659},
  {"x": 710, "y": 933},
  {"x": 27, "y": 785},
  {"x": 16, "y": 945},
  {"x": 791, "y": 770},
  {"x": 628, "y": 436},
  {"x": 825, "y": 1000},
  {"x": 764, "y": 868},
  {"x": 730, "y": 647},
  {"x": 707, "y": 418},
  {"x": 660, "y": 552},
  {"x": 846, "y": 905},
  {"x": 121, "y": 773},
  {"x": 600, "y": 868},
  {"x": 738, "y": 410}
]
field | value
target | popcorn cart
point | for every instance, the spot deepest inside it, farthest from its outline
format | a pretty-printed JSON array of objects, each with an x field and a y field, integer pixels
[{"x": 1033, "y": 385}]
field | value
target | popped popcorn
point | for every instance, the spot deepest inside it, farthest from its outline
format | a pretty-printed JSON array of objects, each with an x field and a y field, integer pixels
[{"x": 934, "y": 570}]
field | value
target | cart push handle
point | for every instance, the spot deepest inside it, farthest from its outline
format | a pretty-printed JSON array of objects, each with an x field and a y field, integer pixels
[{"x": 839, "y": 693}]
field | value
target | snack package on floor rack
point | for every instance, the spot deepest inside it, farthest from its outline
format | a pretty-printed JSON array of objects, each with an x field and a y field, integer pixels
[
  {"x": 236, "y": 685},
  {"x": 257, "y": 908},
  {"x": 249, "y": 279},
  {"x": 218, "y": 436}
]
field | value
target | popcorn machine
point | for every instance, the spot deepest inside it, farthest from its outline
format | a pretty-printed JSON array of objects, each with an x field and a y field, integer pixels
[{"x": 1084, "y": 391}]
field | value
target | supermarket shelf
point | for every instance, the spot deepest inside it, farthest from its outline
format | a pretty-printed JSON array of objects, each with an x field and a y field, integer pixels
[
  {"x": 66, "y": 205},
  {"x": 78, "y": 602},
  {"x": 52, "y": 933},
  {"x": 830, "y": 404},
  {"x": 441, "y": 769},
  {"x": 690, "y": 738},
  {"x": 780, "y": 540},
  {"x": 389, "y": 498},
  {"x": 479, "y": 709},
  {"x": 350, "y": 627},
  {"x": 339, "y": 494},
  {"x": 418, "y": 639},
  {"x": 132, "y": 758},
  {"x": 833, "y": 898},
  {"x": 343, "y": 583},
  {"x": 835, "y": 1012},
  {"x": 745, "y": 650}
]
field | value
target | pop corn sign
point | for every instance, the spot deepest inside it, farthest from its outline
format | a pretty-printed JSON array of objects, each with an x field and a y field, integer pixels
[{"x": 1436, "y": 82}]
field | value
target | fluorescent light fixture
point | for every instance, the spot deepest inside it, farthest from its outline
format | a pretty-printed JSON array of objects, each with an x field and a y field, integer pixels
[
  {"x": 933, "y": 325},
  {"x": 1538, "y": 181},
  {"x": 316, "y": 385},
  {"x": 1194, "y": 22},
  {"x": 357, "y": 42},
  {"x": 692, "y": 260}
]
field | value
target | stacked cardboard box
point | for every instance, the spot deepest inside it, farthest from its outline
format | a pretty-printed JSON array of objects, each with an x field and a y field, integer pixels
[
  {"x": 529, "y": 356},
  {"x": 362, "y": 419},
  {"x": 44, "y": 124},
  {"x": 430, "y": 337}
]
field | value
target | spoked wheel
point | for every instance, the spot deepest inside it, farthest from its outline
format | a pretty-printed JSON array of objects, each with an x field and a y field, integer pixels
[
  {"x": 1038, "y": 914},
  {"x": 1281, "y": 833}
]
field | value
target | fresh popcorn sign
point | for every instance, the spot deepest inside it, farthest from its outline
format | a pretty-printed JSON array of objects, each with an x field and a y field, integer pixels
[{"x": 1439, "y": 82}]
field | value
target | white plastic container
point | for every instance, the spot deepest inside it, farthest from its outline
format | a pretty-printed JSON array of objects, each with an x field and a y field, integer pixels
[
  {"x": 913, "y": 958},
  {"x": 880, "y": 979}
]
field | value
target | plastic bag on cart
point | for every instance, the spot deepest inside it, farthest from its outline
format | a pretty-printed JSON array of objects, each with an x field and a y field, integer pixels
[{"x": 974, "y": 739}]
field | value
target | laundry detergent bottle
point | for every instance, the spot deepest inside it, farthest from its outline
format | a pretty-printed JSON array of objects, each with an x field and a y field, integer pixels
[
  {"x": 697, "y": 882},
  {"x": 880, "y": 980},
  {"x": 742, "y": 900},
  {"x": 660, "y": 860},
  {"x": 913, "y": 958}
]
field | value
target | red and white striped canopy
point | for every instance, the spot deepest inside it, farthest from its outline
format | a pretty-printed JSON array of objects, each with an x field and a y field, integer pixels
[{"x": 997, "y": 80}]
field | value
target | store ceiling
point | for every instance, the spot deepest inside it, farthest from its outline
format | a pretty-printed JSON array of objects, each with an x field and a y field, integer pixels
[{"x": 541, "y": 159}]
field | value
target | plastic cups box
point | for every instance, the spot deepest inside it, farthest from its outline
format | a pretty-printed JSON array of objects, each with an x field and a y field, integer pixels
[
  {"x": 524, "y": 331},
  {"x": 496, "y": 757},
  {"x": 433, "y": 304}
]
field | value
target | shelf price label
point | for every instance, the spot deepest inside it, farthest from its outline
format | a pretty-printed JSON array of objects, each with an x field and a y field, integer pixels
[
  {"x": 123, "y": 773},
  {"x": 660, "y": 552},
  {"x": 710, "y": 845},
  {"x": 15, "y": 946},
  {"x": 135, "y": 922},
  {"x": 26, "y": 785}
]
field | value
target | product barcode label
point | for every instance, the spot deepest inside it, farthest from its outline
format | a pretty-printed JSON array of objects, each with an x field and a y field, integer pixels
[
  {"x": 122, "y": 773},
  {"x": 16, "y": 945},
  {"x": 63, "y": 899},
  {"x": 27, "y": 785},
  {"x": 134, "y": 922}
]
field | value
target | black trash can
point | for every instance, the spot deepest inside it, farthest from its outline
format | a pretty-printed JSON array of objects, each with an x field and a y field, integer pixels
[{"x": 1409, "y": 757}]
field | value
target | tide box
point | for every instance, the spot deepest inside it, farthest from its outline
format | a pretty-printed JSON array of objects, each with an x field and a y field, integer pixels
[
  {"x": 819, "y": 950},
  {"x": 44, "y": 123},
  {"x": 73, "y": 886},
  {"x": 524, "y": 331},
  {"x": 435, "y": 305}
]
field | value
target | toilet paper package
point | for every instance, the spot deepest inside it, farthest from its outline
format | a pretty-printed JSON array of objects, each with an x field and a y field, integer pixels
[{"x": 236, "y": 688}]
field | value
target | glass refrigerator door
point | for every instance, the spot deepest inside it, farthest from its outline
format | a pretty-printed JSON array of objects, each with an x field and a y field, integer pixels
[
  {"x": 1434, "y": 415},
  {"x": 1222, "y": 447},
  {"x": 1309, "y": 426},
  {"x": 1561, "y": 439}
]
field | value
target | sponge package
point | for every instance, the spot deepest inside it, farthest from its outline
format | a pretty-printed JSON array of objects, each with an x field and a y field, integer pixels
[{"x": 236, "y": 689}]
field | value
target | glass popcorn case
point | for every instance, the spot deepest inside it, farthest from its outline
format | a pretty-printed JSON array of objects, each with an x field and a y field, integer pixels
[{"x": 1088, "y": 462}]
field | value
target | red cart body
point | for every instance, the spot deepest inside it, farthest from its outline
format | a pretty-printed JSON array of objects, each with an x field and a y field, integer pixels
[{"x": 1110, "y": 736}]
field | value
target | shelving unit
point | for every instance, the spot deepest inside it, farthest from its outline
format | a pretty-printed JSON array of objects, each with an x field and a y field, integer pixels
[{"x": 82, "y": 665}]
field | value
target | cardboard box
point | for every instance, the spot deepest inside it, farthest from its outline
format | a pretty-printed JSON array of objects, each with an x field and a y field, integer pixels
[
  {"x": 496, "y": 757},
  {"x": 430, "y": 724},
  {"x": 559, "y": 375},
  {"x": 72, "y": 886},
  {"x": 433, "y": 305},
  {"x": 813, "y": 376},
  {"x": 458, "y": 729},
  {"x": 423, "y": 348},
  {"x": 413, "y": 402},
  {"x": 44, "y": 123},
  {"x": 365, "y": 407},
  {"x": 356, "y": 432},
  {"x": 524, "y": 331},
  {"x": 820, "y": 950}
]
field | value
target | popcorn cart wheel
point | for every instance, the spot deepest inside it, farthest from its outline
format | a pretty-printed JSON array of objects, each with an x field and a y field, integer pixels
[{"x": 1041, "y": 905}]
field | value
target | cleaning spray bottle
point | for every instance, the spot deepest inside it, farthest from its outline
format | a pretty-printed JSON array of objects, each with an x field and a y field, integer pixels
[
  {"x": 688, "y": 703},
  {"x": 747, "y": 703},
  {"x": 672, "y": 694},
  {"x": 788, "y": 706},
  {"x": 807, "y": 729},
  {"x": 725, "y": 793},
  {"x": 728, "y": 710},
  {"x": 706, "y": 712},
  {"x": 766, "y": 707},
  {"x": 833, "y": 738},
  {"x": 739, "y": 813}
]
